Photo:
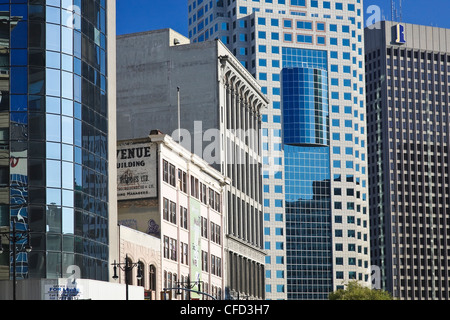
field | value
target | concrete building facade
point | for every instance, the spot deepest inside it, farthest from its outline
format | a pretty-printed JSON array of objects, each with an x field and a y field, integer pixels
[
  {"x": 174, "y": 197},
  {"x": 308, "y": 56},
  {"x": 408, "y": 93},
  {"x": 220, "y": 106}
]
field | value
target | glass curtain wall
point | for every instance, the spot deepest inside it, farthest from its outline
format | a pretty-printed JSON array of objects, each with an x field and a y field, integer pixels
[
  {"x": 307, "y": 173},
  {"x": 54, "y": 130}
]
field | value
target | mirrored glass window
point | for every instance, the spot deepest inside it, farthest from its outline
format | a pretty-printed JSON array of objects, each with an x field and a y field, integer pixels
[{"x": 53, "y": 37}]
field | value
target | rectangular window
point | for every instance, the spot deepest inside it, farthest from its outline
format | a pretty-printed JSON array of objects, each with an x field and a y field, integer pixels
[{"x": 301, "y": 38}]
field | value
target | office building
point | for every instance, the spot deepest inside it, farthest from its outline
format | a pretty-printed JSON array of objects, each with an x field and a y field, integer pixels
[
  {"x": 177, "y": 198},
  {"x": 308, "y": 56},
  {"x": 167, "y": 83},
  {"x": 57, "y": 134},
  {"x": 408, "y": 92}
]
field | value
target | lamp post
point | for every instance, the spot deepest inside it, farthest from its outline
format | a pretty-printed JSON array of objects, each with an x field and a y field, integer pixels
[
  {"x": 14, "y": 237},
  {"x": 126, "y": 267},
  {"x": 189, "y": 287}
]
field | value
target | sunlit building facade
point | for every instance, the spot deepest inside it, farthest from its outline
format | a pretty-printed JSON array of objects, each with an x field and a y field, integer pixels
[
  {"x": 308, "y": 56},
  {"x": 56, "y": 129},
  {"x": 408, "y": 94}
]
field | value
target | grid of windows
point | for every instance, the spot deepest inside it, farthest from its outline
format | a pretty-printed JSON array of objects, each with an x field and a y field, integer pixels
[
  {"x": 407, "y": 95},
  {"x": 55, "y": 110},
  {"x": 305, "y": 106},
  {"x": 308, "y": 222},
  {"x": 307, "y": 173},
  {"x": 264, "y": 59}
]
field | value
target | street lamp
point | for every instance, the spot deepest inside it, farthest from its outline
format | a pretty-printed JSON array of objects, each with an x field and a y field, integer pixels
[
  {"x": 126, "y": 267},
  {"x": 189, "y": 287},
  {"x": 14, "y": 237}
]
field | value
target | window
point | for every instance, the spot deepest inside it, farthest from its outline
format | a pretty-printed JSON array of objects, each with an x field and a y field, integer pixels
[
  {"x": 169, "y": 211},
  {"x": 321, "y": 40},
  {"x": 301, "y": 3},
  {"x": 173, "y": 212},
  {"x": 215, "y": 233},
  {"x": 183, "y": 217},
  {"x": 141, "y": 281},
  {"x": 204, "y": 261},
  {"x": 301, "y": 38},
  {"x": 152, "y": 277},
  {"x": 173, "y": 249},
  {"x": 184, "y": 253},
  {"x": 216, "y": 266},
  {"x": 204, "y": 227},
  {"x": 169, "y": 173},
  {"x": 165, "y": 209},
  {"x": 194, "y": 187},
  {"x": 203, "y": 194},
  {"x": 304, "y": 25},
  {"x": 166, "y": 247},
  {"x": 214, "y": 200},
  {"x": 182, "y": 180},
  {"x": 165, "y": 171}
]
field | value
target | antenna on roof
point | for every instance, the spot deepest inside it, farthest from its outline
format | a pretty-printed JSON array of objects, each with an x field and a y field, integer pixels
[{"x": 396, "y": 14}]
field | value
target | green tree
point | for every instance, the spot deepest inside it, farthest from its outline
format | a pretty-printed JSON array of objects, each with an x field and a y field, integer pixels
[{"x": 356, "y": 291}]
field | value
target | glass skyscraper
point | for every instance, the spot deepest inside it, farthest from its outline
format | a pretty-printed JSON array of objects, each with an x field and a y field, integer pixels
[
  {"x": 54, "y": 136},
  {"x": 308, "y": 56},
  {"x": 304, "y": 84}
]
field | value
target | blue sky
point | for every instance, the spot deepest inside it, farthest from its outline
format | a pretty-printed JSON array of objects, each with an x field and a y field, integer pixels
[{"x": 145, "y": 15}]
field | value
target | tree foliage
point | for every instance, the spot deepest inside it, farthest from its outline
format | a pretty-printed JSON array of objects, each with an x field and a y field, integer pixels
[{"x": 356, "y": 291}]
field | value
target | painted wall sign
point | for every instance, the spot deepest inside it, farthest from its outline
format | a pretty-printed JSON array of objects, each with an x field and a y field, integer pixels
[{"x": 136, "y": 171}]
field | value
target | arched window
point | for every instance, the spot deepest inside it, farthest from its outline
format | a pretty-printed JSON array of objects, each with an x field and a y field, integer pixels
[
  {"x": 129, "y": 272},
  {"x": 140, "y": 274},
  {"x": 152, "y": 277}
]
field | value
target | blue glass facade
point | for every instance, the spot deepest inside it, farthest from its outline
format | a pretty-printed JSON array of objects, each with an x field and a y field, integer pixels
[
  {"x": 54, "y": 134},
  {"x": 305, "y": 106},
  {"x": 305, "y": 112}
]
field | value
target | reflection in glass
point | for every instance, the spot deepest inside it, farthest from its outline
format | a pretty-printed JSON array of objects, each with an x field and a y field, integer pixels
[
  {"x": 67, "y": 174},
  {"x": 67, "y": 108},
  {"x": 53, "y": 59},
  {"x": 36, "y": 80},
  {"x": 53, "y": 218},
  {"x": 19, "y": 34},
  {"x": 53, "y": 36},
  {"x": 67, "y": 62},
  {"x": 68, "y": 221},
  {"x": 19, "y": 57},
  {"x": 19, "y": 80},
  {"x": 53, "y": 130},
  {"x": 19, "y": 103},
  {"x": 53, "y": 82},
  {"x": 36, "y": 169},
  {"x": 67, "y": 152},
  {"x": 53, "y": 15},
  {"x": 53, "y": 105},
  {"x": 53, "y": 196},
  {"x": 67, "y": 85},
  {"x": 307, "y": 174},
  {"x": 53, "y": 151},
  {"x": 67, "y": 130},
  {"x": 54, "y": 174},
  {"x": 53, "y": 242},
  {"x": 68, "y": 198},
  {"x": 67, "y": 40}
]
